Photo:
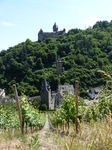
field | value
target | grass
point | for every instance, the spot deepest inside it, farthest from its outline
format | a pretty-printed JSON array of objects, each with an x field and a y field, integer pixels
[
  {"x": 92, "y": 136},
  {"x": 11, "y": 140}
]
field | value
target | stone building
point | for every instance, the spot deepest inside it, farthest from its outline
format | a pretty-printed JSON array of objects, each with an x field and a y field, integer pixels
[
  {"x": 62, "y": 91},
  {"x": 53, "y": 99},
  {"x": 46, "y": 95},
  {"x": 65, "y": 89},
  {"x": 44, "y": 35},
  {"x": 3, "y": 98},
  {"x": 2, "y": 93},
  {"x": 59, "y": 66}
]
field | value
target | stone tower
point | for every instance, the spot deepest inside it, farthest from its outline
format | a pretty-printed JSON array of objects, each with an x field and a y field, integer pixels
[
  {"x": 46, "y": 94},
  {"x": 55, "y": 28},
  {"x": 59, "y": 66}
]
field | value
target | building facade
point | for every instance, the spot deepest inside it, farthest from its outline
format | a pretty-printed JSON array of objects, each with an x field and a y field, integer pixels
[
  {"x": 44, "y": 35},
  {"x": 53, "y": 99},
  {"x": 46, "y": 95}
]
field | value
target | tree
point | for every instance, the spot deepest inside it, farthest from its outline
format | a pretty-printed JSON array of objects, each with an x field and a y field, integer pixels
[
  {"x": 35, "y": 103},
  {"x": 39, "y": 64}
]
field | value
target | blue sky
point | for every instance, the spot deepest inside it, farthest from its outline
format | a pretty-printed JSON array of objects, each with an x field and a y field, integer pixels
[{"x": 22, "y": 19}]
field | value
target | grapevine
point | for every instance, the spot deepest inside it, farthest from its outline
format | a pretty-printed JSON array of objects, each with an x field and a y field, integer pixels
[{"x": 30, "y": 115}]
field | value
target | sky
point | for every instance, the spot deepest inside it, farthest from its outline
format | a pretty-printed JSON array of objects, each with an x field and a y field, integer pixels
[{"x": 22, "y": 19}]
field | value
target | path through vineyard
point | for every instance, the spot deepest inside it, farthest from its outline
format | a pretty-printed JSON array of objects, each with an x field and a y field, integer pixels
[{"x": 47, "y": 138}]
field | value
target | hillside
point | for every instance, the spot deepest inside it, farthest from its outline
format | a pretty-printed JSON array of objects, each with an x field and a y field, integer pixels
[{"x": 82, "y": 52}]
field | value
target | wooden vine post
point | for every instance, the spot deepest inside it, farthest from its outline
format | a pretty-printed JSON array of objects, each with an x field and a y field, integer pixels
[
  {"x": 76, "y": 102},
  {"x": 18, "y": 107},
  {"x": 63, "y": 123}
]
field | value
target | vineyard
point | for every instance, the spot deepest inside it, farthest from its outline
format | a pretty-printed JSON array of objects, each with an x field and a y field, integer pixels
[
  {"x": 62, "y": 121},
  {"x": 30, "y": 116},
  {"x": 86, "y": 113},
  {"x": 9, "y": 117},
  {"x": 77, "y": 124}
]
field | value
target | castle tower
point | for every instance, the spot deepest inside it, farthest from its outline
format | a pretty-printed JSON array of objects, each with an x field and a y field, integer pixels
[
  {"x": 59, "y": 66},
  {"x": 55, "y": 28},
  {"x": 45, "y": 94}
]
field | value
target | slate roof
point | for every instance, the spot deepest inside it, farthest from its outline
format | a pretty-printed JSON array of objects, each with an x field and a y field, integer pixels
[
  {"x": 92, "y": 93},
  {"x": 45, "y": 86},
  {"x": 58, "y": 59},
  {"x": 66, "y": 88}
]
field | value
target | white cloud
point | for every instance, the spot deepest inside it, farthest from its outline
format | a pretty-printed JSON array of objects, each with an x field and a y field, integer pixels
[
  {"x": 7, "y": 24},
  {"x": 91, "y": 21}
]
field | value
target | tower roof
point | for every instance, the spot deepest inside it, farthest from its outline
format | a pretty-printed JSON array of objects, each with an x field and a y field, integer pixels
[
  {"x": 58, "y": 59},
  {"x": 55, "y": 27},
  {"x": 45, "y": 86}
]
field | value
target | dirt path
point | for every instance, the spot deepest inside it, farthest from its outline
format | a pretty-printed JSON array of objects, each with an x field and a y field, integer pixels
[
  {"x": 46, "y": 137},
  {"x": 47, "y": 124}
]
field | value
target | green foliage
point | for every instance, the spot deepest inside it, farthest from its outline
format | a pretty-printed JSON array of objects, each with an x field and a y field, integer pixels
[
  {"x": 68, "y": 104},
  {"x": 43, "y": 107},
  {"x": 85, "y": 112},
  {"x": 29, "y": 114},
  {"x": 8, "y": 116},
  {"x": 68, "y": 110},
  {"x": 102, "y": 108},
  {"x": 34, "y": 142},
  {"x": 35, "y": 103},
  {"x": 83, "y": 52}
]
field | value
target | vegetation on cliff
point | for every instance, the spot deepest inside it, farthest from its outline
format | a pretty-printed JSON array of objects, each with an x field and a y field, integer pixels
[{"x": 82, "y": 52}]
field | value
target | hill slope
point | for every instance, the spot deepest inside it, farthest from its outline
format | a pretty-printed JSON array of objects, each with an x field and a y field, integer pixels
[{"x": 82, "y": 52}]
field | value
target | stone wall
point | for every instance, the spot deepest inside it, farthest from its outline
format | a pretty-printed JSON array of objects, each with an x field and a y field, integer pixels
[
  {"x": 45, "y": 35},
  {"x": 51, "y": 102},
  {"x": 45, "y": 98}
]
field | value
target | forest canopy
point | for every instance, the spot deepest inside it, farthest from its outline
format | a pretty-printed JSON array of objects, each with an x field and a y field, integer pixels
[{"x": 82, "y": 53}]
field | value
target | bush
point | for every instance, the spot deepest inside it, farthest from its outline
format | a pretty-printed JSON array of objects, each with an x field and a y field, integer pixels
[{"x": 43, "y": 107}]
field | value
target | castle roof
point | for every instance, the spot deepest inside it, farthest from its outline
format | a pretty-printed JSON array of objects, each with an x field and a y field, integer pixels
[{"x": 55, "y": 27}]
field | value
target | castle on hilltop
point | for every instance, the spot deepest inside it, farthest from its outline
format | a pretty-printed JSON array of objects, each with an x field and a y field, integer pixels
[{"x": 44, "y": 35}]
